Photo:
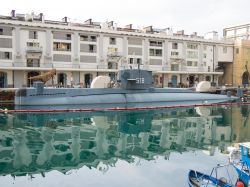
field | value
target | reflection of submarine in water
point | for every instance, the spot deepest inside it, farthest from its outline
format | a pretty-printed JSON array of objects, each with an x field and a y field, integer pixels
[
  {"x": 126, "y": 120},
  {"x": 134, "y": 89},
  {"x": 64, "y": 141}
]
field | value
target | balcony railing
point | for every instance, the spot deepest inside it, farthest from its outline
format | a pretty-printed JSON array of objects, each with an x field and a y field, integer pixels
[
  {"x": 88, "y": 39},
  {"x": 114, "y": 54},
  {"x": 175, "y": 57},
  {"x": 33, "y": 64},
  {"x": 155, "y": 44},
  {"x": 219, "y": 70},
  {"x": 34, "y": 49},
  {"x": 61, "y": 49}
]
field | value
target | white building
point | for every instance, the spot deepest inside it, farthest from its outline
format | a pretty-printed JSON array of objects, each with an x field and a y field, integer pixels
[{"x": 31, "y": 45}]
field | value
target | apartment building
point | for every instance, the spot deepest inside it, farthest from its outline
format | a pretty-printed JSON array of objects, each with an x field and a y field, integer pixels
[
  {"x": 238, "y": 72},
  {"x": 31, "y": 45}
]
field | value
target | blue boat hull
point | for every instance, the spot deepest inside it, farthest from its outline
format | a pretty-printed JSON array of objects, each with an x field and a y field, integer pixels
[
  {"x": 196, "y": 178},
  {"x": 243, "y": 174}
]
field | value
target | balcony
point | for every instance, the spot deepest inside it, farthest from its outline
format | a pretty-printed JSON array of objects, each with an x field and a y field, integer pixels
[
  {"x": 34, "y": 49},
  {"x": 219, "y": 69},
  {"x": 175, "y": 57},
  {"x": 33, "y": 64},
  {"x": 155, "y": 44},
  {"x": 114, "y": 54}
]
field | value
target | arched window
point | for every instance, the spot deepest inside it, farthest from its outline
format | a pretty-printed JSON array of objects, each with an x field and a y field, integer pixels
[
  {"x": 245, "y": 78},
  {"x": 62, "y": 80},
  {"x": 88, "y": 79},
  {"x": 208, "y": 78},
  {"x": 174, "y": 80},
  {"x": 191, "y": 80}
]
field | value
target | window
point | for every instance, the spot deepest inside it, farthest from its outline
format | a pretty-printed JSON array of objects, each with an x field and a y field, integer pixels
[
  {"x": 161, "y": 80},
  {"x": 237, "y": 50},
  {"x": 189, "y": 63},
  {"x": 33, "y": 35},
  {"x": 83, "y": 38},
  {"x": 192, "y": 54},
  {"x": 138, "y": 61},
  {"x": 1, "y": 31},
  {"x": 174, "y": 67},
  {"x": 192, "y": 46},
  {"x": 224, "y": 49},
  {"x": 91, "y": 48},
  {"x": 155, "y": 43},
  {"x": 174, "y": 45},
  {"x": 6, "y": 55},
  {"x": 155, "y": 52},
  {"x": 33, "y": 62},
  {"x": 112, "y": 41},
  {"x": 204, "y": 55},
  {"x": 174, "y": 53},
  {"x": 61, "y": 36},
  {"x": 192, "y": 63},
  {"x": 32, "y": 44},
  {"x": 68, "y": 36},
  {"x": 93, "y": 38},
  {"x": 131, "y": 60},
  {"x": 208, "y": 78},
  {"x": 60, "y": 46},
  {"x": 158, "y": 52},
  {"x": 208, "y": 68}
]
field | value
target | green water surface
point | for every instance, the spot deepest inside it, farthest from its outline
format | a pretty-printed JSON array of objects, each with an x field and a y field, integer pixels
[{"x": 137, "y": 148}]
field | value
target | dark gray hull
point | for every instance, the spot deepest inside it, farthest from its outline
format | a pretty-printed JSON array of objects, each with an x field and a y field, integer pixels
[{"x": 122, "y": 97}]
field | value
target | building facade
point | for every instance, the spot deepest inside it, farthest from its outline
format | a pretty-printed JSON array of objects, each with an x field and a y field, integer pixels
[
  {"x": 31, "y": 45},
  {"x": 238, "y": 72}
]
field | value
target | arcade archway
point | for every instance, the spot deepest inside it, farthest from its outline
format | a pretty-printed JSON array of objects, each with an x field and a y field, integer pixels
[
  {"x": 3, "y": 80},
  {"x": 31, "y": 74}
]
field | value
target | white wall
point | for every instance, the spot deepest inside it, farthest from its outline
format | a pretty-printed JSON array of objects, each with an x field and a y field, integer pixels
[{"x": 225, "y": 57}]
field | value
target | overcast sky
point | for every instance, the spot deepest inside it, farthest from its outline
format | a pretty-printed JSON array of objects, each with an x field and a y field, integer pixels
[{"x": 190, "y": 15}]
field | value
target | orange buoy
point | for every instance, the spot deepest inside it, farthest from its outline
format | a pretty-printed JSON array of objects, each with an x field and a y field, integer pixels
[{"x": 239, "y": 184}]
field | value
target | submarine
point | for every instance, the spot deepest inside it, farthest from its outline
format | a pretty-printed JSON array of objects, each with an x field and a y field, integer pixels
[{"x": 133, "y": 88}]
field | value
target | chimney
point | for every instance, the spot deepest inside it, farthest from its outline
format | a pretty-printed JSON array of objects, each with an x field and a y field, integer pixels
[
  {"x": 129, "y": 26},
  {"x": 181, "y": 32},
  {"x": 88, "y": 22},
  {"x": 13, "y": 13},
  {"x": 194, "y": 34},
  {"x": 111, "y": 23},
  {"x": 148, "y": 29},
  {"x": 65, "y": 19},
  {"x": 41, "y": 17}
]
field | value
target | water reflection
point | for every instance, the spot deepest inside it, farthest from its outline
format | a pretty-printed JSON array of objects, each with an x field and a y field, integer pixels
[{"x": 38, "y": 143}]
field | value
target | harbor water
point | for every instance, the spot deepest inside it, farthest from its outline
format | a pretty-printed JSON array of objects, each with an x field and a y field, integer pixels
[{"x": 118, "y": 148}]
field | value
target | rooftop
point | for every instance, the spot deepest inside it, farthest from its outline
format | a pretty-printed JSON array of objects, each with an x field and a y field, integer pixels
[{"x": 89, "y": 23}]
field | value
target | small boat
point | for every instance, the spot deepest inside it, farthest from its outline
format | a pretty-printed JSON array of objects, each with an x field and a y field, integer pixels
[
  {"x": 198, "y": 179},
  {"x": 243, "y": 167}
]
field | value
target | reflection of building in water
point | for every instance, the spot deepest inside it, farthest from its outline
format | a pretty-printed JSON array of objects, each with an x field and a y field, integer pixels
[
  {"x": 241, "y": 123},
  {"x": 71, "y": 140}
]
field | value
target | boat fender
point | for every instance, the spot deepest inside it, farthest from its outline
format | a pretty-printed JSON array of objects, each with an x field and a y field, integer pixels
[{"x": 239, "y": 184}]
